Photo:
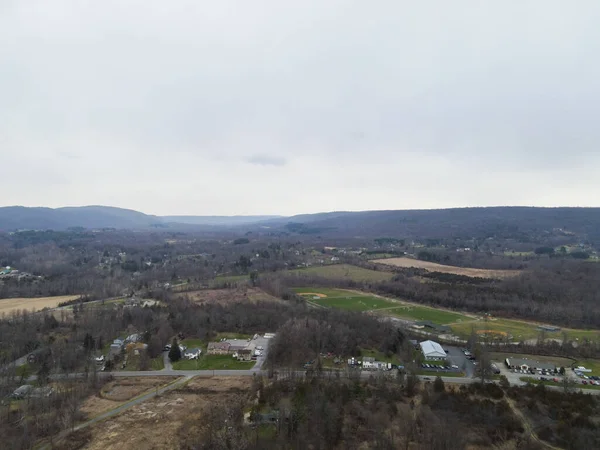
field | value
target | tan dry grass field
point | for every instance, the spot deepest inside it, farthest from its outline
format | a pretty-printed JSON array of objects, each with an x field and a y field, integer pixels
[
  {"x": 227, "y": 295},
  {"x": 7, "y": 305},
  {"x": 164, "y": 422},
  {"x": 434, "y": 267}
]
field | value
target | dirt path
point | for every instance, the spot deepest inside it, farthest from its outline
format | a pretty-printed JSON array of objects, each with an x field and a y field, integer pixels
[{"x": 527, "y": 425}]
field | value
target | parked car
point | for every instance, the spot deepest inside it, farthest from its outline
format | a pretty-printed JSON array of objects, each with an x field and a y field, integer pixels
[
  {"x": 454, "y": 366},
  {"x": 583, "y": 382}
]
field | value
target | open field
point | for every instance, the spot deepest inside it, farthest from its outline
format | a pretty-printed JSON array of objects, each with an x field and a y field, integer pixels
[
  {"x": 164, "y": 421},
  {"x": 213, "y": 362},
  {"x": 119, "y": 391},
  {"x": 8, "y": 305},
  {"x": 227, "y": 295},
  {"x": 434, "y": 267},
  {"x": 344, "y": 299},
  {"x": 518, "y": 330},
  {"x": 357, "y": 301},
  {"x": 423, "y": 313},
  {"x": 345, "y": 272}
]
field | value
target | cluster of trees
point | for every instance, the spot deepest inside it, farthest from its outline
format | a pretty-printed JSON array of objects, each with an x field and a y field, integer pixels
[
  {"x": 351, "y": 414},
  {"x": 304, "y": 338},
  {"x": 23, "y": 423},
  {"x": 565, "y": 420}
]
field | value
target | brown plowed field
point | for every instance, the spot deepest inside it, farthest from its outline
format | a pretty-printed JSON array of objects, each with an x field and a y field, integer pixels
[{"x": 434, "y": 267}]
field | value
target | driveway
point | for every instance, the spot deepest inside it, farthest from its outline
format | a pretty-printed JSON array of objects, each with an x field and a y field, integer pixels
[
  {"x": 168, "y": 365},
  {"x": 264, "y": 343}
]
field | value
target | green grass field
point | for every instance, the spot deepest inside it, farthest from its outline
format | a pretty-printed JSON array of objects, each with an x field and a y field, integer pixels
[
  {"x": 342, "y": 299},
  {"x": 518, "y": 330},
  {"x": 194, "y": 343},
  {"x": 437, "y": 316},
  {"x": 345, "y": 272},
  {"x": 213, "y": 362},
  {"x": 157, "y": 363}
]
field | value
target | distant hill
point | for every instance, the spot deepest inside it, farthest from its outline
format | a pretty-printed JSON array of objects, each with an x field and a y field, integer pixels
[
  {"x": 226, "y": 221},
  {"x": 19, "y": 217},
  {"x": 94, "y": 217},
  {"x": 507, "y": 222}
]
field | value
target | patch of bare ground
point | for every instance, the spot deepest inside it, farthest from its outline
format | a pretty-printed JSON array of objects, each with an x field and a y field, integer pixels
[
  {"x": 119, "y": 391},
  {"x": 434, "y": 267},
  {"x": 7, "y": 305},
  {"x": 227, "y": 295},
  {"x": 163, "y": 421}
]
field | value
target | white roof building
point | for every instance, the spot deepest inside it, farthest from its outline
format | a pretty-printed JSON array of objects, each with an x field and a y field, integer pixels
[{"x": 432, "y": 350}]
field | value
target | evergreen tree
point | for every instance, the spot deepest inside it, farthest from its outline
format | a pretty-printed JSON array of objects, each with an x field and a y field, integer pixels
[
  {"x": 175, "y": 352},
  {"x": 438, "y": 384}
]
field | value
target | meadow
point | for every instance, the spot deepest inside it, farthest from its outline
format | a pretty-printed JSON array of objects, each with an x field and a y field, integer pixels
[{"x": 344, "y": 299}]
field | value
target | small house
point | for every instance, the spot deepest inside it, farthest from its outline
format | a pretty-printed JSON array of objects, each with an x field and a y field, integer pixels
[
  {"x": 192, "y": 353},
  {"x": 244, "y": 355}
]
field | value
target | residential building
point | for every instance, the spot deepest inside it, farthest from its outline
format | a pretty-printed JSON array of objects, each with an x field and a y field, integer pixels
[
  {"x": 244, "y": 355},
  {"x": 192, "y": 353},
  {"x": 218, "y": 348}
]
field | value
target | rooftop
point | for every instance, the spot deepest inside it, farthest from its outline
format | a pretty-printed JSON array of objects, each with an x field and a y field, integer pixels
[{"x": 431, "y": 347}]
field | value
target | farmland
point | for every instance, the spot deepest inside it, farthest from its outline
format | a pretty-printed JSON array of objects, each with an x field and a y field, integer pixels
[
  {"x": 434, "y": 267},
  {"x": 423, "y": 313},
  {"x": 344, "y": 299},
  {"x": 8, "y": 305},
  {"x": 345, "y": 272},
  {"x": 518, "y": 330}
]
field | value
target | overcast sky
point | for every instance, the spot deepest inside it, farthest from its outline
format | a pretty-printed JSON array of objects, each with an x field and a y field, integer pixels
[{"x": 283, "y": 107}]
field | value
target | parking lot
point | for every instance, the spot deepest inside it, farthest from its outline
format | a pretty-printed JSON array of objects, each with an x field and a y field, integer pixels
[
  {"x": 456, "y": 362},
  {"x": 457, "y": 357}
]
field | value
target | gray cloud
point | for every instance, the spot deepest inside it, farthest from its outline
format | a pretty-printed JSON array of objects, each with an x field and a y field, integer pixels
[{"x": 161, "y": 106}]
